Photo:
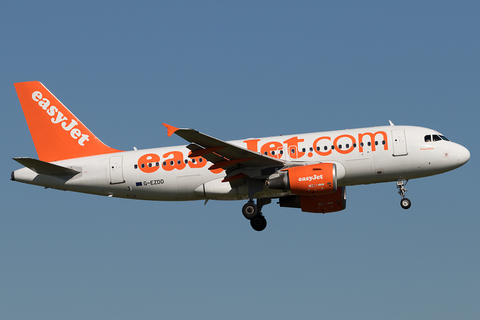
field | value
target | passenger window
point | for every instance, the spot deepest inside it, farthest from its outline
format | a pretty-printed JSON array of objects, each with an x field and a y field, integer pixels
[{"x": 135, "y": 166}]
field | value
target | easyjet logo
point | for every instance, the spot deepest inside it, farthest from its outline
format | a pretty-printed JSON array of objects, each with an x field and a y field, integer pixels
[
  {"x": 59, "y": 118},
  {"x": 173, "y": 160},
  {"x": 311, "y": 178},
  {"x": 322, "y": 146}
]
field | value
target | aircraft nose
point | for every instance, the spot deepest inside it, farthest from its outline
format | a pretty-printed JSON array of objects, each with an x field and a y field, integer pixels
[{"x": 463, "y": 155}]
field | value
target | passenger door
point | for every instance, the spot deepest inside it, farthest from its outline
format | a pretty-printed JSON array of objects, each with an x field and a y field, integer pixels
[
  {"x": 399, "y": 142},
  {"x": 116, "y": 170}
]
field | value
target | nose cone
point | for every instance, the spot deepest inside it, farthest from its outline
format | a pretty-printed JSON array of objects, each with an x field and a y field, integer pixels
[{"x": 463, "y": 155}]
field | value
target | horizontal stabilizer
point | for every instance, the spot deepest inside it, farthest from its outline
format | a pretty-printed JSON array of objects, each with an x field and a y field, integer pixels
[{"x": 42, "y": 167}]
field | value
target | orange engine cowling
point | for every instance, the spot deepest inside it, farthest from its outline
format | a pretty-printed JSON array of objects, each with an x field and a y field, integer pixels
[
  {"x": 313, "y": 179},
  {"x": 332, "y": 202}
]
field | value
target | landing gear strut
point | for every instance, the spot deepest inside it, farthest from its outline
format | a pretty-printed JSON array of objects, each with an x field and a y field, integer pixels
[
  {"x": 253, "y": 212},
  {"x": 405, "y": 203}
]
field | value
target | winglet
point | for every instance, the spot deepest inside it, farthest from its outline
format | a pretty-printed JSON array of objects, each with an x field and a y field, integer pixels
[{"x": 170, "y": 129}]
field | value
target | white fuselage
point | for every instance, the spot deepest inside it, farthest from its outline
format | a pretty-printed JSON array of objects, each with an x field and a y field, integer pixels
[{"x": 362, "y": 156}]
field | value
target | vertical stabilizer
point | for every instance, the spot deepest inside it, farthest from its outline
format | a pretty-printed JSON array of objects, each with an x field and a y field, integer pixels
[{"x": 56, "y": 132}]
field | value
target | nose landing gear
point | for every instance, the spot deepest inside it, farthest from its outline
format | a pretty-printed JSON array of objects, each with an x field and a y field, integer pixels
[{"x": 405, "y": 203}]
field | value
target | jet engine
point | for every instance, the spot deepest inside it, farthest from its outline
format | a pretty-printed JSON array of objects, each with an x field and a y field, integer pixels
[{"x": 313, "y": 179}]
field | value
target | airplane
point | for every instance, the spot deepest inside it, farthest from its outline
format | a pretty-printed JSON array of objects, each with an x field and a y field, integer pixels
[{"x": 308, "y": 171}]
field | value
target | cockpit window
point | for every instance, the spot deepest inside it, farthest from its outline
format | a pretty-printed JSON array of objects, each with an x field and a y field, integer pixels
[{"x": 435, "y": 137}]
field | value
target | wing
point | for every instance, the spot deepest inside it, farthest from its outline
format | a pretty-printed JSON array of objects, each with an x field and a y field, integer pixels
[{"x": 224, "y": 155}]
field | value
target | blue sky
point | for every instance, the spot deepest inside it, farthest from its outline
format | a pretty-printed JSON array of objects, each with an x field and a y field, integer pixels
[{"x": 237, "y": 70}]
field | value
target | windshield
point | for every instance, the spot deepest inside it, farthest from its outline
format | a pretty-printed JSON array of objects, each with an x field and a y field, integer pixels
[
  {"x": 435, "y": 137},
  {"x": 444, "y": 138}
]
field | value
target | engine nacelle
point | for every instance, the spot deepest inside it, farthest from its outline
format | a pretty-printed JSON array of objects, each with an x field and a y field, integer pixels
[
  {"x": 332, "y": 202},
  {"x": 313, "y": 179}
]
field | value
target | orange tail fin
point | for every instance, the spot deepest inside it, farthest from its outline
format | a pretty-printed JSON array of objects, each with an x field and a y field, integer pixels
[{"x": 56, "y": 132}]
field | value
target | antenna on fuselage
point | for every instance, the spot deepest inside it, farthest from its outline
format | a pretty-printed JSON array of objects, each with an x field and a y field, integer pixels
[{"x": 391, "y": 123}]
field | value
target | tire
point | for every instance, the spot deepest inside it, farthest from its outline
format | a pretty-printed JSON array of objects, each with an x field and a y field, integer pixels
[
  {"x": 250, "y": 210},
  {"x": 259, "y": 223},
  {"x": 405, "y": 203}
]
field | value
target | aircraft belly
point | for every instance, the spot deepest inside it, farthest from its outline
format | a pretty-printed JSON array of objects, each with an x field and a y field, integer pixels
[
  {"x": 163, "y": 185},
  {"x": 218, "y": 190},
  {"x": 390, "y": 168},
  {"x": 358, "y": 171}
]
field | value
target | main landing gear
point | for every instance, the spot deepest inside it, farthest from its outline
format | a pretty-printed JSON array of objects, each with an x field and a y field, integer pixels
[
  {"x": 253, "y": 212},
  {"x": 405, "y": 203}
]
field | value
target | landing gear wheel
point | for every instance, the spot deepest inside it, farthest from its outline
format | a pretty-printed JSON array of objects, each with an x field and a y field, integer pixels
[
  {"x": 250, "y": 210},
  {"x": 405, "y": 203},
  {"x": 258, "y": 223}
]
